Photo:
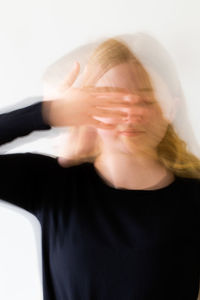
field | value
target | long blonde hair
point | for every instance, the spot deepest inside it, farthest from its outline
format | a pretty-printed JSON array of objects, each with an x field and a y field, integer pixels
[{"x": 85, "y": 145}]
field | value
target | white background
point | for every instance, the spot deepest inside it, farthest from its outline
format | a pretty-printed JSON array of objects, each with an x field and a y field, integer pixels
[{"x": 33, "y": 35}]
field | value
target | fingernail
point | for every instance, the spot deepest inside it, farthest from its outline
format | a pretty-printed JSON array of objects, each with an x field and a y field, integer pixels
[{"x": 127, "y": 97}]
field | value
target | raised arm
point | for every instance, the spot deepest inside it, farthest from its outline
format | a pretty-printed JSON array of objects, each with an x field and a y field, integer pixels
[
  {"x": 23, "y": 175},
  {"x": 21, "y": 122},
  {"x": 25, "y": 178}
]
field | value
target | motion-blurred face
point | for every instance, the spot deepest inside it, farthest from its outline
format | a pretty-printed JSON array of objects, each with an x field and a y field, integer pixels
[{"x": 147, "y": 115}]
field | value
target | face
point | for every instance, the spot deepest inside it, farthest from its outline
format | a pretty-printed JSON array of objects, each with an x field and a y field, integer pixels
[{"x": 146, "y": 113}]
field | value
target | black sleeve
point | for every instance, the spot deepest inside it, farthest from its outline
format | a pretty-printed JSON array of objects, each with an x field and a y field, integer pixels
[
  {"x": 21, "y": 122},
  {"x": 23, "y": 175},
  {"x": 24, "y": 178}
]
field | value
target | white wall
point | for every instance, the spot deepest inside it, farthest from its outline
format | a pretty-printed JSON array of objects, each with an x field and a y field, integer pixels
[{"x": 33, "y": 35}]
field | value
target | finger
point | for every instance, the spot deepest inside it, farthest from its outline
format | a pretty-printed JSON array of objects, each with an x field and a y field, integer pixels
[
  {"x": 110, "y": 96},
  {"x": 74, "y": 74},
  {"x": 109, "y": 113},
  {"x": 111, "y": 105},
  {"x": 65, "y": 162},
  {"x": 101, "y": 125},
  {"x": 71, "y": 76},
  {"x": 105, "y": 90},
  {"x": 116, "y": 97}
]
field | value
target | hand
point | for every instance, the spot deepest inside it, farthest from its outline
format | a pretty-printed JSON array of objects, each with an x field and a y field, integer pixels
[{"x": 76, "y": 107}]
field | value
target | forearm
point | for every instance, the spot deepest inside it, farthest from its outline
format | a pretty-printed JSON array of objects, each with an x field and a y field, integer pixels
[
  {"x": 53, "y": 113},
  {"x": 21, "y": 122}
]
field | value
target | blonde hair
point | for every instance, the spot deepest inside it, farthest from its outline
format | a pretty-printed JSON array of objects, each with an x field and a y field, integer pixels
[{"x": 172, "y": 151}]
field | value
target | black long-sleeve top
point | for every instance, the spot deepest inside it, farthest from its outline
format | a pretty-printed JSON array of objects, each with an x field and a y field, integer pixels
[{"x": 99, "y": 242}]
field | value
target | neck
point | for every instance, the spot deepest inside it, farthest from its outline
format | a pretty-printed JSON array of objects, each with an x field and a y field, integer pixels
[{"x": 139, "y": 172}]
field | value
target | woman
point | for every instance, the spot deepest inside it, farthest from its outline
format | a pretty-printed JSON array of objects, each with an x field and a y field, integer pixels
[{"x": 125, "y": 226}]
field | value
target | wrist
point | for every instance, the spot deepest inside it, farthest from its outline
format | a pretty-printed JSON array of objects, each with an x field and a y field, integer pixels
[{"x": 46, "y": 112}]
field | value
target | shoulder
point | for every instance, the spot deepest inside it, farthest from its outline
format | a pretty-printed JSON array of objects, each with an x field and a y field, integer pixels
[
  {"x": 191, "y": 190},
  {"x": 30, "y": 158},
  {"x": 190, "y": 186},
  {"x": 28, "y": 162},
  {"x": 189, "y": 182}
]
